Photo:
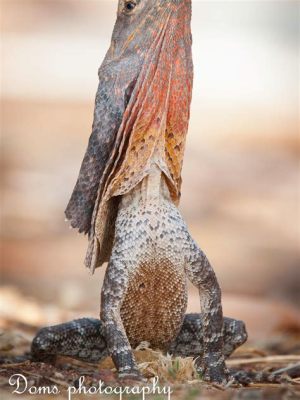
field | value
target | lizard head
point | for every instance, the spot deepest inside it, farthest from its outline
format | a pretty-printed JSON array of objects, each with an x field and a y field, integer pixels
[
  {"x": 138, "y": 23},
  {"x": 151, "y": 43}
]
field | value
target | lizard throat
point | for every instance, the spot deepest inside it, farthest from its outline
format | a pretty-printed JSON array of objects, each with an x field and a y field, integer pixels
[{"x": 153, "y": 188}]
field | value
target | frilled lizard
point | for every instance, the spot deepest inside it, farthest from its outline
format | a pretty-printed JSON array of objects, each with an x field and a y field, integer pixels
[{"x": 126, "y": 199}]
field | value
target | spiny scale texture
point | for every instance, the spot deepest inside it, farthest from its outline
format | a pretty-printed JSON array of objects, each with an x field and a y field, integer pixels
[
  {"x": 126, "y": 196},
  {"x": 144, "y": 293},
  {"x": 152, "y": 243}
]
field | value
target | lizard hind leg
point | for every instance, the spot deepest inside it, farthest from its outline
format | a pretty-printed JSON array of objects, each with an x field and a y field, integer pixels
[
  {"x": 189, "y": 341},
  {"x": 234, "y": 335},
  {"x": 82, "y": 339}
]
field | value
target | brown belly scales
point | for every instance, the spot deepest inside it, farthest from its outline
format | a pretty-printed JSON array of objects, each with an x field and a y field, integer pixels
[{"x": 155, "y": 303}]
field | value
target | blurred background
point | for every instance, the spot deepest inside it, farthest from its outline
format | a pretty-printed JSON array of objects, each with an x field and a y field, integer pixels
[{"x": 240, "y": 176}]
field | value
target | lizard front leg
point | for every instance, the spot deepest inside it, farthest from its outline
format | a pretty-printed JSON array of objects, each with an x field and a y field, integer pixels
[
  {"x": 113, "y": 292},
  {"x": 211, "y": 365}
]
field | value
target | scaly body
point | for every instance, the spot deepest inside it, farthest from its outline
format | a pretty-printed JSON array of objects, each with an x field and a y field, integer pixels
[{"x": 125, "y": 198}]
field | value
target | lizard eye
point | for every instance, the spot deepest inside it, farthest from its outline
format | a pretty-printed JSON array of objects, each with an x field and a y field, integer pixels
[{"x": 129, "y": 5}]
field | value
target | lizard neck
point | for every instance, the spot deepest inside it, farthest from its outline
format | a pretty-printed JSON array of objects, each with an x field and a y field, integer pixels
[{"x": 153, "y": 188}]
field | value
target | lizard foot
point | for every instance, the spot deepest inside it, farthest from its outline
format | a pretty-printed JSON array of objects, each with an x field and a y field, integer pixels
[
  {"x": 214, "y": 370},
  {"x": 40, "y": 356},
  {"x": 242, "y": 377},
  {"x": 131, "y": 377}
]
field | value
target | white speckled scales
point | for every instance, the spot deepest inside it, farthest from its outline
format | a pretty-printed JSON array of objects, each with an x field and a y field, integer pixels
[
  {"x": 144, "y": 294},
  {"x": 151, "y": 249}
]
